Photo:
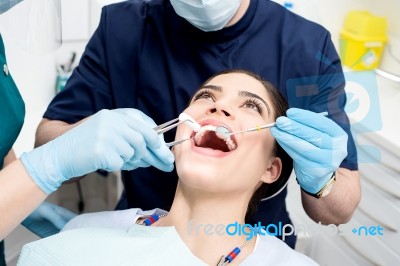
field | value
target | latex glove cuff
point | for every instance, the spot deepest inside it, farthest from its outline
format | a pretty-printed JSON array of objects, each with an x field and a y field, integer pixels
[
  {"x": 42, "y": 169},
  {"x": 325, "y": 190}
]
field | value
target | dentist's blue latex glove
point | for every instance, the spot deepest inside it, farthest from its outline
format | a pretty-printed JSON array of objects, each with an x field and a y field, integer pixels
[
  {"x": 112, "y": 140},
  {"x": 316, "y": 144},
  {"x": 48, "y": 219}
]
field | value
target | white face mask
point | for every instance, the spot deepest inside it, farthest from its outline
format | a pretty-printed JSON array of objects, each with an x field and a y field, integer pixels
[
  {"x": 6, "y": 5},
  {"x": 207, "y": 15}
]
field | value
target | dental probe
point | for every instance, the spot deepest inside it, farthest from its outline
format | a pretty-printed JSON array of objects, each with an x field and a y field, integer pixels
[
  {"x": 224, "y": 133},
  {"x": 189, "y": 121}
]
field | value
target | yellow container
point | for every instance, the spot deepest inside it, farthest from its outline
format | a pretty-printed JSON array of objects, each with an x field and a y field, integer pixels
[{"x": 362, "y": 40}]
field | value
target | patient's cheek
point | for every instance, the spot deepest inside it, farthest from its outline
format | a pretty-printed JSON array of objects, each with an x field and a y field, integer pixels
[{"x": 185, "y": 167}]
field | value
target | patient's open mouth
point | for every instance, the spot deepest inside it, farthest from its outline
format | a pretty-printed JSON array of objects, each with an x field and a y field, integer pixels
[{"x": 207, "y": 138}]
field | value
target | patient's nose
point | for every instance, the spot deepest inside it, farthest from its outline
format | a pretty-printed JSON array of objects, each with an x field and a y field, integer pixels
[{"x": 221, "y": 111}]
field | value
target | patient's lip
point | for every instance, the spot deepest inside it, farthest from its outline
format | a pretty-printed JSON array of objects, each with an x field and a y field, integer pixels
[{"x": 207, "y": 151}]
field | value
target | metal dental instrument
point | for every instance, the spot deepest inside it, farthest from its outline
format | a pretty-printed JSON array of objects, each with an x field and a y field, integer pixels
[
  {"x": 167, "y": 126},
  {"x": 221, "y": 131},
  {"x": 172, "y": 124},
  {"x": 183, "y": 118},
  {"x": 173, "y": 143},
  {"x": 224, "y": 133}
]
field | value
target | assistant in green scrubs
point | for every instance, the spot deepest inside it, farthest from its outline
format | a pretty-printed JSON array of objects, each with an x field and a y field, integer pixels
[{"x": 12, "y": 113}]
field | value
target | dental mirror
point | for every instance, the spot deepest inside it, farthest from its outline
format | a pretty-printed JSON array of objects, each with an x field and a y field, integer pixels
[{"x": 222, "y": 132}]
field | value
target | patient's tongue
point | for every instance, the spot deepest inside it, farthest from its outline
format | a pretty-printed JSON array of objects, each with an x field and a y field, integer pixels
[{"x": 210, "y": 140}]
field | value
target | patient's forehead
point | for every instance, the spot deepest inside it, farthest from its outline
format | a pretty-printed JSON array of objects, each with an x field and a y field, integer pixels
[{"x": 237, "y": 81}]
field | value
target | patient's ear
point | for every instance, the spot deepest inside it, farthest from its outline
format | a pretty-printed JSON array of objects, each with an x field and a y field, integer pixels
[{"x": 273, "y": 171}]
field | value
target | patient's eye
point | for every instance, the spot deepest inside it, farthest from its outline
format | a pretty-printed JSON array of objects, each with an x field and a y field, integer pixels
[
  {"x": 204, "y": 94},
  {"x": 254, "y": 104}
]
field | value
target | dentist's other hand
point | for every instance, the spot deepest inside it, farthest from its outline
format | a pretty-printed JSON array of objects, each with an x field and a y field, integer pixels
[
  {"x": 316, "y": 144},
  {"x": 110, "y": 140},
  {"x": 48, "y": 219}
]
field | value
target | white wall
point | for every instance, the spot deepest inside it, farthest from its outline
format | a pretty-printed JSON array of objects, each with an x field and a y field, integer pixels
[
  {"x": 35, "y": 78},
  {"x": 35, "y": 75}
]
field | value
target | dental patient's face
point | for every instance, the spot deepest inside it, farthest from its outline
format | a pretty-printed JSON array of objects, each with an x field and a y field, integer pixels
[{"x": 236, "y": 101}]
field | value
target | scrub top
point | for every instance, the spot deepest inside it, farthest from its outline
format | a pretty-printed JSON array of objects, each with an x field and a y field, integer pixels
[
  {"x": 12, "y": 113},
  {"x": 144, "y": 56}
]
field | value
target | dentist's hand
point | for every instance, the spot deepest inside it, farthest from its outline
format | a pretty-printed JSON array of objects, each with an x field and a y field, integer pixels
[
  {"x": 48, "y": 219},
  {"x": 110, "y": 140},
  {"x": 316, "y": 144}
]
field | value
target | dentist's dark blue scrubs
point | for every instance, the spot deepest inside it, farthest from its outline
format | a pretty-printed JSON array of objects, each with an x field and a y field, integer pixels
[
  {"x": 12, "y": 113},
  {"x": 144, "y": 56}
]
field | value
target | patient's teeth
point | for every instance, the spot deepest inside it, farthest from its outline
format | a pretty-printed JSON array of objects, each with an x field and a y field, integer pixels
[
  {"x": 231, "y": 145},
  {"x": 199, "y": 136}
]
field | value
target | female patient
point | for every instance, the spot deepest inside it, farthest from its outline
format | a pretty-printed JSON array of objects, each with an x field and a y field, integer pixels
[{"x": 219, "y": 182}]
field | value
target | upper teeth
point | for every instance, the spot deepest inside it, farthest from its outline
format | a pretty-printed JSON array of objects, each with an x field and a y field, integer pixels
[{"x": 199, "y": 135}]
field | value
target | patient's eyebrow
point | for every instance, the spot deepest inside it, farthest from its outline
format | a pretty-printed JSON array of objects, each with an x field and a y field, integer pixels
[
  {"x": 212, "y": 87},
  {"x": 252, "y": 95}
]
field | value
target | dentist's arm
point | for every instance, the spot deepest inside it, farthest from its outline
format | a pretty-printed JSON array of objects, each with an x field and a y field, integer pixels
[
  {"x": 111, "y": 140},
  {"x": 339, "y": 205},
  {"x": 50, "y": 129},
  {"x": 318, "y": 146}
]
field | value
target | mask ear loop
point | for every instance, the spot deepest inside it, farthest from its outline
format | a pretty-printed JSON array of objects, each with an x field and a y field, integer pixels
[{"x": 279, "y": 191}]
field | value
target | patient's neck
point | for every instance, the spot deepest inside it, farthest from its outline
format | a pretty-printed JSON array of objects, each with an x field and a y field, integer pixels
[
  {"x": 196, "y": 215},
  {"x": 204, "y": 207}
]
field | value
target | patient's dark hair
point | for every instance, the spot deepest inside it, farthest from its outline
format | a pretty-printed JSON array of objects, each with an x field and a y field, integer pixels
[{"x": 279, "y": 105}]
